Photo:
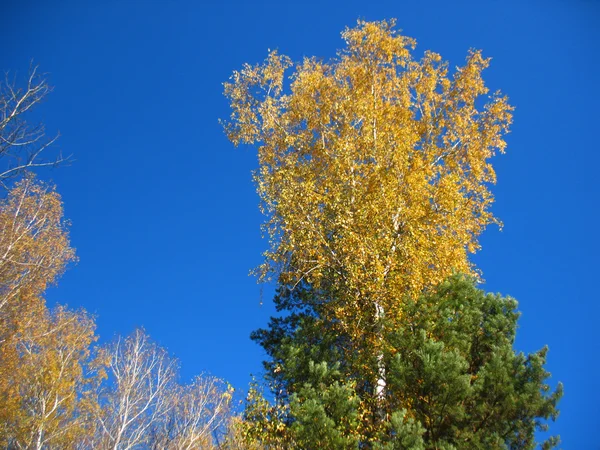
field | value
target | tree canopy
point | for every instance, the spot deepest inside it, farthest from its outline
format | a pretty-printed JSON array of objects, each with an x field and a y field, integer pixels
[{"x": 373, "y": 166}]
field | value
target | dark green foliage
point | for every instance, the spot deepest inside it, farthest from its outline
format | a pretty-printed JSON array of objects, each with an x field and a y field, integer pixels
[
  {"x": 403, "y": 433},
  {"x": 453, "y": 362},
  {"x": 453, "y": 378},
  {"x": 325, "y": 411}
]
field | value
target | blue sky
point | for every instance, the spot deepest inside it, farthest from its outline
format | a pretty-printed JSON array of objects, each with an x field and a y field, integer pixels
[{"x": 164, "y": 213}]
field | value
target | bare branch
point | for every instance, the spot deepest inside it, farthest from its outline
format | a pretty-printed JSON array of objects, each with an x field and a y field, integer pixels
[{"x": 21, "y": 144}]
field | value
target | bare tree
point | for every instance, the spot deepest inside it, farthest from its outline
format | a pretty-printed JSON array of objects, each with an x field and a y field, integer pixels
[
  {"x": 137, "y": 394},
  {"x": 200, "y": 410},
  {"x": 21, "y": 145}
]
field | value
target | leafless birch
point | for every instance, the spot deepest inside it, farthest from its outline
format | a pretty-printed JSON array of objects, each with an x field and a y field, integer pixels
[
  {"x": 200, "y": 410},
  {"x": 21, "y": 144},
  {"x": 136, "y": 397}
]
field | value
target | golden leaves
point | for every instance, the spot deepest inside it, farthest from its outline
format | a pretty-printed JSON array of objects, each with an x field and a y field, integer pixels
[
  {"x": 42, "y": 352},
  {"x": 44, "y": 377},
  {"x": 374, "y": 167},
  {"x": 378, "y": 40},
  {"x": 34, "y": 242}
]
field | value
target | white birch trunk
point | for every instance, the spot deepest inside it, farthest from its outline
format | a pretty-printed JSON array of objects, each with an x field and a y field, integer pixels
[{"x": 380, "y": 386}]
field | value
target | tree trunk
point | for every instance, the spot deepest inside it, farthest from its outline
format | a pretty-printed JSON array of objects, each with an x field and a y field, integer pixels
[{"x": 381, "y": 384}]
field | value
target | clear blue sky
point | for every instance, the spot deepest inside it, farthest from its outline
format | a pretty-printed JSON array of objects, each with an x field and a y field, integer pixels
[{"x": 164, "y": 213}]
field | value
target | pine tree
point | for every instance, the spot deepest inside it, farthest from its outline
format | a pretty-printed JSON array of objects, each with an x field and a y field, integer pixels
[{"x": 454, "y": 379}]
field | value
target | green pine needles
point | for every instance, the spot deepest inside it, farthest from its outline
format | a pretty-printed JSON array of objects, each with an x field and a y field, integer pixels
[{"x": 453, "y": 378}]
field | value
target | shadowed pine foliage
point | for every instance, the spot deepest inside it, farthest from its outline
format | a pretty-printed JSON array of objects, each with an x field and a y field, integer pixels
[{"x": 453, "y": 378}]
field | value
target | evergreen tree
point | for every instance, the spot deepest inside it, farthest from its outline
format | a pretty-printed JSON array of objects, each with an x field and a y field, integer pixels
[{"x": 454, "y": 379}]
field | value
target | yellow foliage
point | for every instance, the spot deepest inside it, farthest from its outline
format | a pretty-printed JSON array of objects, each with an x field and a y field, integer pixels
[
  {"x": 42, "y": 353},
  {"x": 374, "y": 167},
  {"x": 34, "y": 241},
  {"x": 44, "y": 378}
]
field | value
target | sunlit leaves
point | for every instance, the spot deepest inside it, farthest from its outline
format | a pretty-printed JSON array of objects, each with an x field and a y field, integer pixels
[
  {"x": 34, "y": 242},
  {"x": 45, "y": 379},
  {"x": 374, "y": 167}
]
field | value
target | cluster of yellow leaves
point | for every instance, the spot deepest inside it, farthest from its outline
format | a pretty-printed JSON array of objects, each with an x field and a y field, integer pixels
[
  {"x": 263, "y": 425},
  {"x": 43, "y": 378},
  {"x": 34, "y": 241},
  {"x": 374, "y": 167}
]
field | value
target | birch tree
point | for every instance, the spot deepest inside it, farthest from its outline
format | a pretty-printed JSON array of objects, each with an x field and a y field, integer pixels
[
  {"x": 199, "y": 411},
  {"x": 45, "y": 379},
  {"x": 141, "y": 376},
  {"x": 374, "y": 172},
  {"x": 34, "y": 242},
  {"x": 22, "y": 145}
]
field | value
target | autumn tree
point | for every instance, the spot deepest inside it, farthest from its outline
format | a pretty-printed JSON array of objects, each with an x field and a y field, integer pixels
[
  {"x": 34, "y": 245},
  {"x": 142, "y": 405},
  {"x": 199, "y": 413},
  {"x": 374, "y": 173},
  {"x": 46, "y": 379},
  {"x": 136, "y": 396},
  {"x": 42, "y": 352},
  {"x": 34, "y": 242},
  {"x": 57, "y": 390}
]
